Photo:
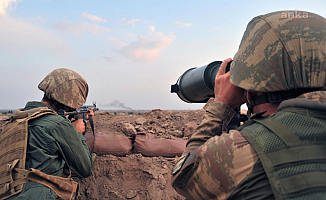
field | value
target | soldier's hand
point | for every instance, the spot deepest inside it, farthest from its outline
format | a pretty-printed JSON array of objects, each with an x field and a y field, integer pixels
[
  {"x": 79, "y": 125},
  {"x": 225, "y": 91},
  {"x": 90, "y": 113}
]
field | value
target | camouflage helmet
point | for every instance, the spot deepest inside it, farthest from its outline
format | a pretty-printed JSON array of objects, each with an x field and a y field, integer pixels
[
  {"x": 65, "y": 86},
  {"x": 281, "y": 51}
]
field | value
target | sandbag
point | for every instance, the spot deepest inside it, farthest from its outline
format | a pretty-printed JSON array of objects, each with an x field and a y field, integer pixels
[
  {"x": 146, "y": 144},
  {"x": 117, "y": 145}
]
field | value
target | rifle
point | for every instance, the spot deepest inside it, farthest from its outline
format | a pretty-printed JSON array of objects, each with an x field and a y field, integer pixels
[{"x": 81, "y": 113}]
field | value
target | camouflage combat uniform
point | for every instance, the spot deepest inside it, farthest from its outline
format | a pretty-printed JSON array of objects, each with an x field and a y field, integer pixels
[
  {"x": 282, "y": 156},
  {"x": 225, "y": 165}
]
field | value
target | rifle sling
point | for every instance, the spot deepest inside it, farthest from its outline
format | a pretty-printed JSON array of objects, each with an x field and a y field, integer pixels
[{"x": 91, "y": 122}]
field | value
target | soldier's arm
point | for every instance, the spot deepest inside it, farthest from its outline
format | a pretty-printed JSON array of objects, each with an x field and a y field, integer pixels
[
  {"x": 74, "y": 149},
  {"x": 216, "y": 118},
  {"x": 214, "y": 162},
  {"x": 219, "y": 110}
]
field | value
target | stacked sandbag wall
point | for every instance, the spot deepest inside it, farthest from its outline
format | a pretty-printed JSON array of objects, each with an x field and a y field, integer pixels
[{"x": 143, "y": 142}]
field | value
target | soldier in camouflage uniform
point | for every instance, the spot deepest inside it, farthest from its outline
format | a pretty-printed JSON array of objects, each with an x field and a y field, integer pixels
[
  {"x": 280, "y": 152},
  {"x": 54, "y": 143}
]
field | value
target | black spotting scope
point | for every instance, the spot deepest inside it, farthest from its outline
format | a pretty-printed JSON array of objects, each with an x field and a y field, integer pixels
[{"x": 196, "y": 85}]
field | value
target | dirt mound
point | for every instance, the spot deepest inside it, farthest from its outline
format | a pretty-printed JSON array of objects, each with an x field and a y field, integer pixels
[
  {"x": 161, "y": 123},
  {"x": 131, "y": 177},
  {"x": 135, "y": 176}
]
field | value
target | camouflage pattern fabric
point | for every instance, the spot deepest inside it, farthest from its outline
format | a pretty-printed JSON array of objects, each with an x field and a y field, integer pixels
[
  {"x": 278, "y": 52},
  {"x": 315, "y": 96},
  {"x": 222, "y": 160},
  {"x": 281, "y": 51},
  {"x": 291, "y": 146},
  {"x": 211, "y": 125},
  {"x": 65, "y": 86}
]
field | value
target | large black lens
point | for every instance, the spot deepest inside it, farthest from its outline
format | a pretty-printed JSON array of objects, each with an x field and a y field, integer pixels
[{"x": 196, "y": 85}]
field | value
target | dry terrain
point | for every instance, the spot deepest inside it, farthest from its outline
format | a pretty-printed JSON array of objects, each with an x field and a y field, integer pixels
[{"x": 130, "y": 174}]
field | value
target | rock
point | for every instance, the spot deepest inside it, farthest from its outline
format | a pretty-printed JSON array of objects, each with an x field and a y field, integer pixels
[
  {"x": 141, "y": 120},
  {"x": 152, "y": 131},
  {"x": 129, "y": 130},
  {"x": 139, "y": 128},
  {"x": 161, "y": 182},
  {"x": 134, "y": 176},
  {"x": 131, "y": 194},
  {"x": 176, "y": 133},
  {"x": 189, "y": 128}
]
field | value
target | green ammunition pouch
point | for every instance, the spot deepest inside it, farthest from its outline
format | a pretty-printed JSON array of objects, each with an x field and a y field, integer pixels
[
  {"x": 291, "y": 145},
  {"x": 13, "y": 147}
]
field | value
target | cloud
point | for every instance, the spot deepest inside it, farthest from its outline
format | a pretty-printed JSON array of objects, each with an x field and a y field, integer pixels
[
  {"x": 117, "y": 44},
  {"x": 180, "y": 24},
  {"x": 146, "y": 48},
  {"x": 19, "y": 36},
  {"x": 37, "y": 20},
  {"x": 78, "y": 27},
  {"x": 108, "y": 58},
  {"x": 92, "y": 17},
  {"x": 152, "y": 28},
  {"x": 123, "y": 19},
  {"x": 4, "y": 5},
  {"x": 133, "y": 21}
]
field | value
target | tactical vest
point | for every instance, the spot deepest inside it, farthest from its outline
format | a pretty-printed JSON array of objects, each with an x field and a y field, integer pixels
[
  {"x": 13, "y": 148},
  {"x": 291, "y": 145}
]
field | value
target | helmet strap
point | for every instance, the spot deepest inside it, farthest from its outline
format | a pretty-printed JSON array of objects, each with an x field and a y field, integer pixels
[
  {"x": 275, "y": 97},
  {"x": 250, "y": 107},
  {"x": 279, "y": 96}
]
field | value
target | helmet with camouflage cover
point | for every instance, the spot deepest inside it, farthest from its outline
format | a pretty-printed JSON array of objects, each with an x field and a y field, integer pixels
[
  {"x": 65, "y": 86},
  {"x": 281, "y": 51}
]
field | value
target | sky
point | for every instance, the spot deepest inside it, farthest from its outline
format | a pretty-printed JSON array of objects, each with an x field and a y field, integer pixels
[{"x": 129, "y": 51}]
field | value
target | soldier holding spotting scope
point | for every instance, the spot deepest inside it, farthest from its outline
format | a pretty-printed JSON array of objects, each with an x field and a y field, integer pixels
[{"x": 279, "y": 153}]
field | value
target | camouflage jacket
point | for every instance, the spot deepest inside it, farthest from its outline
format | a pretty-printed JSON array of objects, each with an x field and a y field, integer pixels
[{"x": 215, "y": 164}]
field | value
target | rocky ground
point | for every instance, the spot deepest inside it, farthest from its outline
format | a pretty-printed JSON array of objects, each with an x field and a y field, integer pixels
[{"x": 135, "y": 176}]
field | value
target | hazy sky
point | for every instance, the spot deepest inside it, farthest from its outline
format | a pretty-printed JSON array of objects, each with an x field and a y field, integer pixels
[{"x": 130, "y": 52}]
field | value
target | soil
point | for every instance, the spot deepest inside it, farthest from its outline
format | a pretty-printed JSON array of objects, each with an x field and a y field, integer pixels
[{"x": 135, "y": 176}]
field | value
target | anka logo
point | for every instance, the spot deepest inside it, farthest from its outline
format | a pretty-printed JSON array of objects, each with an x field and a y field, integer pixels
[{"x": 295, "y": 14}]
